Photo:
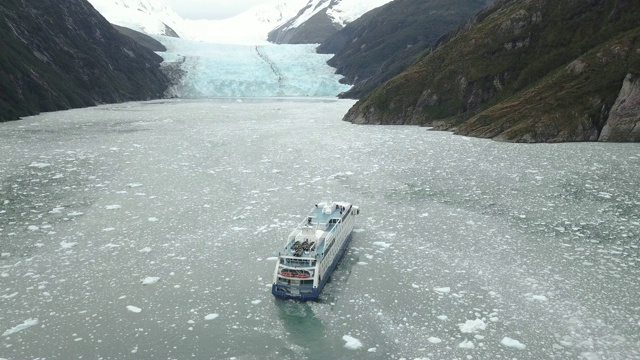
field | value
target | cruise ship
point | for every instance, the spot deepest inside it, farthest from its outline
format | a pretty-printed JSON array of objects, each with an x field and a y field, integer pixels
[{"x": 313, "y": 250}]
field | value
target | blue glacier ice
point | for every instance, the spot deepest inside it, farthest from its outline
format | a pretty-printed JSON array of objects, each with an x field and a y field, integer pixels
[{"x": 227, "y": 70}]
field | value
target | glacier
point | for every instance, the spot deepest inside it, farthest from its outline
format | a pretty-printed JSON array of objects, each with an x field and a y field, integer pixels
[
  {"x": 232, "y": 57},
  {"x": 236, "y": 70}
]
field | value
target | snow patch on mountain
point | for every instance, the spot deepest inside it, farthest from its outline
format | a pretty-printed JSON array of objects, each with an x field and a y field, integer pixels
[
  {"x": 347, "y": 11},
  {"x": 341, "y": 12},
  {"x": 147, "y": 16},
  {"x": 249, "y": 27},
  {"x": 154, "y": 16}
]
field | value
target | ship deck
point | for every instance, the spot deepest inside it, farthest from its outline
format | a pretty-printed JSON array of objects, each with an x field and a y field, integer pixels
[{"x": 316, "y": 227}]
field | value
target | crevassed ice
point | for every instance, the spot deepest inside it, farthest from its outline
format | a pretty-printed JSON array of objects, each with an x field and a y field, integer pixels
[{"x": 225, "y": 70}]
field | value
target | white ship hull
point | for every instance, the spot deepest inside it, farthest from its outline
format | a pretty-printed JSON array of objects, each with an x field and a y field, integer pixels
[{"x": 313, "y": 251}]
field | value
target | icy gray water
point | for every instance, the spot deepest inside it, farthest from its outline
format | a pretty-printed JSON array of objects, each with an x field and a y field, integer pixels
[{"x": 147, "y": 230}]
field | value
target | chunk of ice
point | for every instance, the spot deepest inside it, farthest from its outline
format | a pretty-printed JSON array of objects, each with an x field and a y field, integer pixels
[
  {"x": 512, "y": 343},
  {"x": 39, "y": 165},
  {"x": 211, "y": 317},
  {"x": 466, "y": 344},
  {"x": 472, "y": 326},
  {"x": 150, "y": 280},
  {"x": 382, "y": 244},
  {"x": 25, "y": 325},
  {"x": 67, "y": 245},
  {"x": 351, "y": 342},
  {"x": 134, "y": 309},
  {"x": 443, "y": 290}
]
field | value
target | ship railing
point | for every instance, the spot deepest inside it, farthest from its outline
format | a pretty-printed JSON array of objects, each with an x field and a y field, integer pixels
[
  {"x": 304, "y": 262},
  {"x": 331, "y": 234}
]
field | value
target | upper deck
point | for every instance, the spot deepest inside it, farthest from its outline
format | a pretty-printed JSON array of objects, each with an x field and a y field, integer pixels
[{"x": 315, "y": 233}]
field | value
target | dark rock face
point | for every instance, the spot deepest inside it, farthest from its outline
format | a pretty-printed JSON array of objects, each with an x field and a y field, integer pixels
[
  {"x": 57, "y": 55},
  {"x": 385, "y": 41},
  {"x": 623, "y": 123},
  {"x": 142, "y": 39},
  {"x": 524, "y": 71},
  {"x": 313, "y": 31}
]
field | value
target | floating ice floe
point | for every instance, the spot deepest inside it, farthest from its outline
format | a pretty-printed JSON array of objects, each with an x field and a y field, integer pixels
[
  {"x": 466, "y": 344},
  {"x": 25, "y": 325},
  {"x": 434, "y": 340},
  {"x": 145, "y": 250},
  {"x": 152, "y": 219},
  {"x": 32, "y": 228},
  {"x": 109, "y": 246},
  {"x": 256, "y": 302},
  {"x": 443, "y": 290},
  {"x": 150, "y": 280},
  {"x": 134, "y": 185},
  {"x": 211, "y": 317},
  {"x": 67, "y": 245},
  {"x": 134, "y": 309},
  {"x": 108, "y": 229},
  {"x": 39, "y": 165},
  {"x": 531, "y": 297},
  {"x": 351, "y": 342},
  {"x": 472, "y": 326},
  {"x": 512, "y": 343},
  {"x": 443, "y": 317},
  {"x": 112, "y": 207},
  {"x": 382, "y": 244}
]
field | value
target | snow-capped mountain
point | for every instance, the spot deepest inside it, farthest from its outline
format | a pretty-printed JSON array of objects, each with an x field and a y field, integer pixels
[
  {"x": 320, "y": 19},
  {"x": 280, "y": 21},
  {"x": 249, "y": 27},
  {"x": 153, "y": 17},
  {"x": 156, "y": 17}
]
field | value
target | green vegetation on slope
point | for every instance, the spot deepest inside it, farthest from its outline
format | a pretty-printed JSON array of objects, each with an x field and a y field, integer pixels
[
  {"x": 387, "y": 40},
  {"x": 528, "y": 71}
]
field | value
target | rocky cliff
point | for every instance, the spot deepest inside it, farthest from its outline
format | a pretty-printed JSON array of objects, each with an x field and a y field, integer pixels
[
  {"x": 57, "y": 55},
  {"x": 313, "y": 30},
  {"x": 319, "y": 19},
  {"x": 387, "y": 40},
  {"x": 525, "y": 71}
]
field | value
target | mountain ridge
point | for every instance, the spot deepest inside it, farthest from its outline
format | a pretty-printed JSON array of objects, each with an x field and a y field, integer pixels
[
  {"x": 385, "y": 41},
  {"x": 535, "y": 71},
  {"x": 58, "y": 56},
  {"x": 320, "y": 19}
]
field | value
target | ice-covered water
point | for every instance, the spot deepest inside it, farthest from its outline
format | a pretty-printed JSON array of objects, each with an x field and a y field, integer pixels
[{"x": 148, "y": 230}]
